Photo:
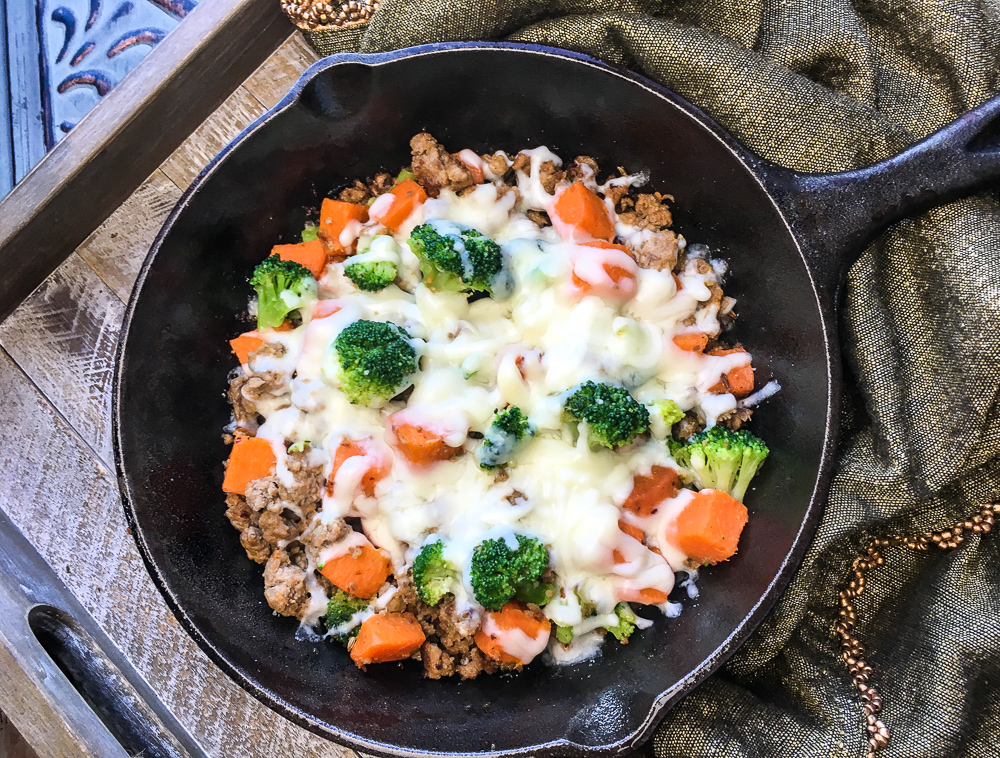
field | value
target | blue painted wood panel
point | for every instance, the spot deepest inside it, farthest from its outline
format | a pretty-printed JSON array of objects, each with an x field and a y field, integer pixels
[
  {"x": 62, "y": 57},
  {"x": 6, "y": 137},
  {"x": 24, "y": 69}
]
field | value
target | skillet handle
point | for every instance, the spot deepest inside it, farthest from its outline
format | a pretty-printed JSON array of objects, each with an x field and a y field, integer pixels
[{"x": 834, "y": 216}]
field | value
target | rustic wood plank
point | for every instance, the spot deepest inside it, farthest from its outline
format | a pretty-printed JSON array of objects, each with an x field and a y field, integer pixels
[
  {"x": 22, "y": 50},
  {"x": 234, "y": 115},
  {"x": 116, "y": 249},
  {"x": 121, "y": 141},
  {"x": 12, "y": 744},
  {"x": 45, "y": 633},
  {"x": 63, "y": 336},
  {"x": 277, "y": 74},
  {"x": 6, "y": 135},
  {"x": 38, "y": 717},
  {"x": 66, "y": 503}
]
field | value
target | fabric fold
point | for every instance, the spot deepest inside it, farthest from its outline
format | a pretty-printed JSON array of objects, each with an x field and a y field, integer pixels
[{"x": 819, "y": 86}]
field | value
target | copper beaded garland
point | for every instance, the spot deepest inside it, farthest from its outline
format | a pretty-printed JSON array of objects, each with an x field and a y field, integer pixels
[
  {"x": 321, "y": 14},
  {"x": 852, "y": 652}
]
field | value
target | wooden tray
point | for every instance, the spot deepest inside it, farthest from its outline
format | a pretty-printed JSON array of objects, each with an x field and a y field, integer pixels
[{"x": 63, "y": 293}]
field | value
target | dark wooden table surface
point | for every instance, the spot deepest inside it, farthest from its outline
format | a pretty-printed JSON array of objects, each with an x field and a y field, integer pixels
[{"x": 56, "y": 364}]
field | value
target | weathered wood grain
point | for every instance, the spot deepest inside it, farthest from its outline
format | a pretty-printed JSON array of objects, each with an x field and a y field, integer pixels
[
  {"x": 63, "y": 336},
  {"x": 58, "y": 486},
  {"x": 277, "y": 74},
  {"x": 25, "y": 138},
  {"x": 66, "y": 503},
  {"x": 116, "y": 249},
  {"x": 42, "y": 619},
  {"x": 234, "y": 115},
  {"x": 38, "y": 717},
  {"x": 12, "y": 744}
]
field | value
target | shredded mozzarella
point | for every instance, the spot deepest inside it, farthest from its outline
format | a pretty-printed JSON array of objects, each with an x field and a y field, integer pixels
[{"x": 526, "y": 349}]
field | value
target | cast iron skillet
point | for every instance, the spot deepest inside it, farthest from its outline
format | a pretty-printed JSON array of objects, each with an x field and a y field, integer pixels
[{"x": 788, "y": 238}]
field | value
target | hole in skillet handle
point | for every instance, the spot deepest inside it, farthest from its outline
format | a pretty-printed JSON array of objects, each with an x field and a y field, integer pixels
[{"x": 341, "y": 92}]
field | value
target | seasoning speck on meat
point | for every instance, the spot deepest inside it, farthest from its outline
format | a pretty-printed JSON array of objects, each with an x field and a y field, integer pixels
[
  {"x": 356, "y": 193},
  {"x": 497, "y": 163},
  {"x": 437, "y": 663},
  {"x": 244, "y": 409},
  {"x": 245, "y": 520},
  {"x": 582, "y": 168},
  {"x": 539, "y": 218},
  {"x": 263, "y": 385},
  {"x": 550, "y": 176}
]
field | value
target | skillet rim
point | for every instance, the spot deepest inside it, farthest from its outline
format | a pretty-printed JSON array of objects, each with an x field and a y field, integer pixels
[{"x": 758, "y": 168}]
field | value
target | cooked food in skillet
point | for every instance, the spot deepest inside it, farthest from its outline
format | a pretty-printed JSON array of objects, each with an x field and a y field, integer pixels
[{"x": 489, "y": 408}]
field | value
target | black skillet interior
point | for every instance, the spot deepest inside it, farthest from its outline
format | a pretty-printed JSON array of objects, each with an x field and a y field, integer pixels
[{"x": 354, "y": 119}]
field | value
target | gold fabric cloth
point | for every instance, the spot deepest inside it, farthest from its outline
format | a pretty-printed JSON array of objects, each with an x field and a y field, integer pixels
[{"x": 830, "y": 85}]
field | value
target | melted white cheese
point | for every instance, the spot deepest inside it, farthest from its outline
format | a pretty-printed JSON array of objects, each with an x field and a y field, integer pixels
[
  {"x": 528, "y": 350},
  {"x": 516, "y": 642}
]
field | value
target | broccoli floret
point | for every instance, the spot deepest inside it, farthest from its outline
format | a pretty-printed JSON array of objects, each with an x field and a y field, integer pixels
[
  {"x": 433, "y": 576},
  {"x": 626, "y": 623},
  {"x": 669, "y": 411},
  {"x": 340, "y": 610},
  {"x": 564, "y": 634},
  {"x": 374, "y": 361},
  {"x": 282, "y": 287},
  {"x": 663, "y": 414},
  {"x": 310, "y": 233},
  {"x": 440, "y": 263},
  {"x": 613, "y": 416},
  {"x": 485, "y": 261},
  {"x": 462, "y": 262},
  {"x": 403, "y": 175},
  {"x": 377, "y": 267},
  {"x": 498, "y": 573},
  {"x": 509, "y": 427},
  {"x": 723, "y": 459},
  {"x": 512, "y": 422},
  {"x": 535, "y": 592},
  {"x": 371, "y": 276}
]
